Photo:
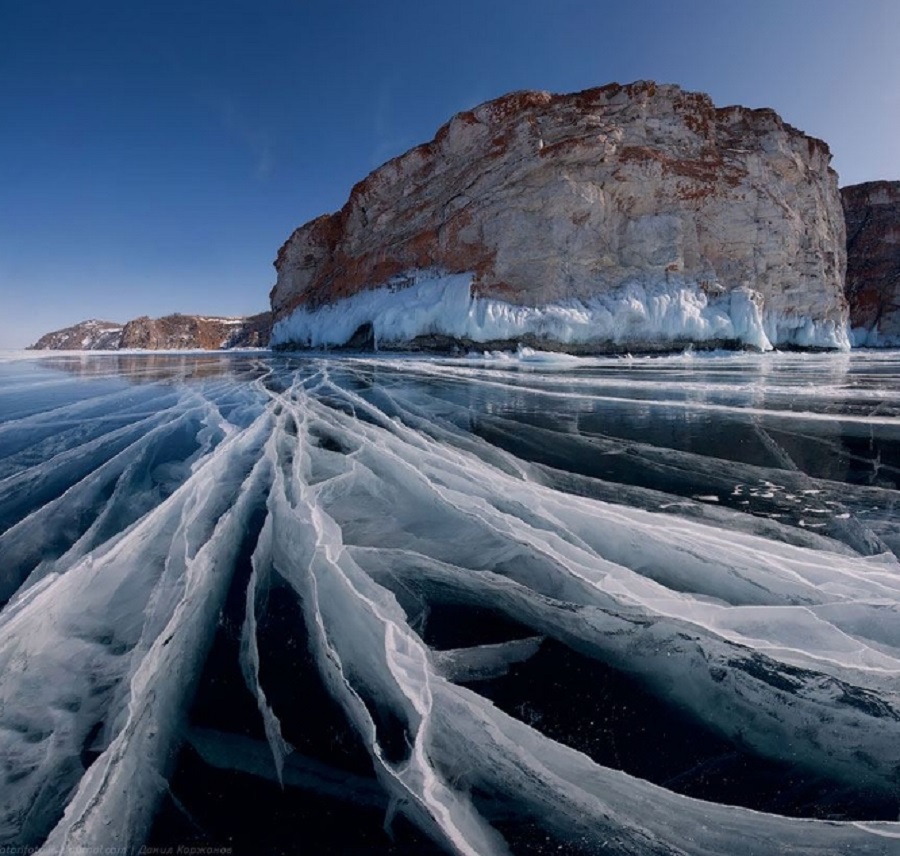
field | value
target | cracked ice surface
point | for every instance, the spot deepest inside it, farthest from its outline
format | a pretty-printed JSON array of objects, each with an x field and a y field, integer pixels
[{"x": 510, "y": 603}]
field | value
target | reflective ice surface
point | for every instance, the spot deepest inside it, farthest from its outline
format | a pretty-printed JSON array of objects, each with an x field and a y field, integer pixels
[{"x": 499, "y": 604}]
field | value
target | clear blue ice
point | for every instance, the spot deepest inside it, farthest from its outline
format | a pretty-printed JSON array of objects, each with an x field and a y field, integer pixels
[{"x": 503, "y": 603}]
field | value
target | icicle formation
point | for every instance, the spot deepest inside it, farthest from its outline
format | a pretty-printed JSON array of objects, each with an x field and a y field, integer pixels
[
  {"x": 394, "y": 587},
  {"x": 669, "y": 311}
]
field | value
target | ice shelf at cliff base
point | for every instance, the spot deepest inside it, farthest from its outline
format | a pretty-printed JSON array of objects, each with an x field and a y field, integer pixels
[
  {"x": 636, "y": 216},
  {"x": 437, "y": 310}
]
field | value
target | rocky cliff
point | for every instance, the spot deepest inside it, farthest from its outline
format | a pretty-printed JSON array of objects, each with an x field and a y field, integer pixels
[
  {"x": 872, "y": 211},
  {"x": 172, "y": 332},
  {"x": 194, "y": 331},
  {"x": 89, "y": 335},
  {"x": 624, "y": 216}
]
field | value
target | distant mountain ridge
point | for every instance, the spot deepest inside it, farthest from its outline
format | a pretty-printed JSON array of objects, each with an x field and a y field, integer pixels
[
  {"x": 91, "y": 335},
  {"x": 171, "y": 332}
]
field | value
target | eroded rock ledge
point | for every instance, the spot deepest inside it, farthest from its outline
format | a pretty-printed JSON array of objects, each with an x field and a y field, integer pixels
[{"x": 633, "y": 215}]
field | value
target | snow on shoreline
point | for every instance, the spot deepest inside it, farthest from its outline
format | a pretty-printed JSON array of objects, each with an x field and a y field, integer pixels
[{"x": 636, "y": 313}]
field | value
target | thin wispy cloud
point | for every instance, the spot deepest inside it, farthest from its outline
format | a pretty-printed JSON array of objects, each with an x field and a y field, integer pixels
[
  {"x": 390, "y": 140},
  {"x": 256, "y": 140}
]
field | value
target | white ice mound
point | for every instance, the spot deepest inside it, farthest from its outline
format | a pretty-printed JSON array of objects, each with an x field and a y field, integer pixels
[{"x": 639, "y": 313}]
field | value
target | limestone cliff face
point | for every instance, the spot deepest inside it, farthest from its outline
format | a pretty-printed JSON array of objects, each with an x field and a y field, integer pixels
[
  {"x": 548, "y": 199},
  {"x": 172, "y": 332},
  {"x": 873, "y": 261}
]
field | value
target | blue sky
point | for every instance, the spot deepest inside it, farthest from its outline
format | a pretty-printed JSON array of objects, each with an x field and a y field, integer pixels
[{"x": 155, "y": 155}]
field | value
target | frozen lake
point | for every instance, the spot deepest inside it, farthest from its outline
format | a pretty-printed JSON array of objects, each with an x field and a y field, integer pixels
[{"x": 509, "y": 603}]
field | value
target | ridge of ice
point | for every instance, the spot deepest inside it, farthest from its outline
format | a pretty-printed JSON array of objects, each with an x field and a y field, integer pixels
[{"x": 673, "y": 309}]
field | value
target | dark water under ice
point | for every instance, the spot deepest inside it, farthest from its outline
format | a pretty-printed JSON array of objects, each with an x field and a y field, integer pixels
[{"x": 522, "y": 604}]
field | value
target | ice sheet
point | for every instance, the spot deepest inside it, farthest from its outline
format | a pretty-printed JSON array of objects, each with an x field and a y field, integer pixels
[{"x": 445, "y": 531}]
